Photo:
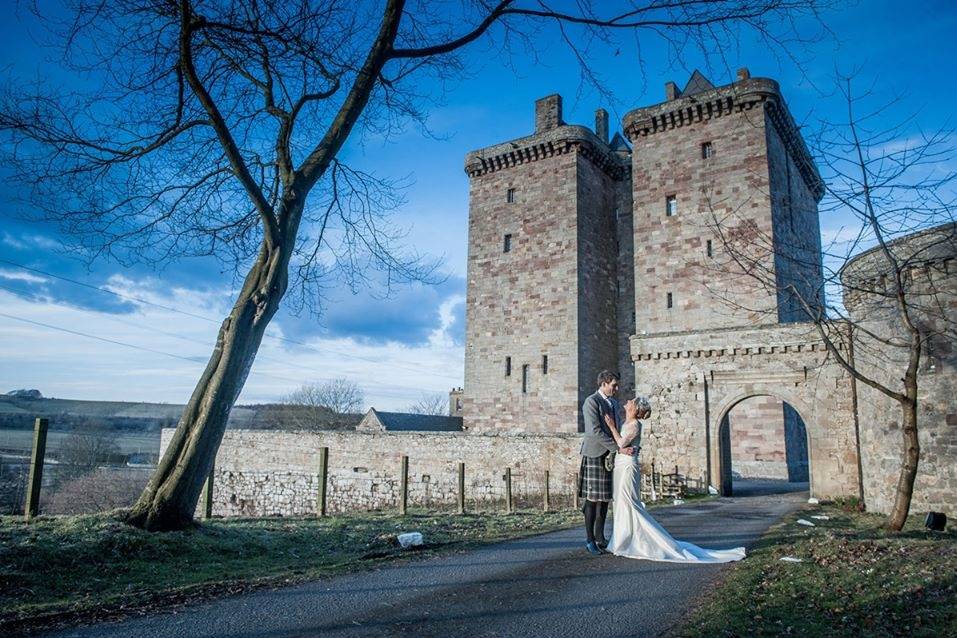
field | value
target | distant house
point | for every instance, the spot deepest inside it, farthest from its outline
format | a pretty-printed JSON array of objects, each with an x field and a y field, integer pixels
[{"x": 375, "y": 421}]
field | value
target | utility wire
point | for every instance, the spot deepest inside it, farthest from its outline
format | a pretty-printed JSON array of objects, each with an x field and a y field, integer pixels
[
  {"x": 409, "y": 368},
  {"x": 197, "y": 360}
]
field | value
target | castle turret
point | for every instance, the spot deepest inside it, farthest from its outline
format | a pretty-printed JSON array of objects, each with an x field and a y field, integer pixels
[
  {"x": 731, "y": 154},
  {"x": 543, "y": 278}
]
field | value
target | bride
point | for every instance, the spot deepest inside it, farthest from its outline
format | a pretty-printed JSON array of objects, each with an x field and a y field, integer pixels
[{"x": 635, "y": 533}]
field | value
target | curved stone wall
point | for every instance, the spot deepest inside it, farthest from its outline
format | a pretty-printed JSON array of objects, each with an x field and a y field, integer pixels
[{"x": 931, "y": 289}]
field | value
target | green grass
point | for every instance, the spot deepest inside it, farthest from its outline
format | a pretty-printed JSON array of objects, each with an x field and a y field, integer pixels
[
  {"x": 855, "y": 579},
  {"x": 87, "y": 567}
]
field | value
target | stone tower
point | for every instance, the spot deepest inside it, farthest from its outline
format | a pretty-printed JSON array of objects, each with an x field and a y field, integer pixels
[
  {"x": 728, "y": 156},
  {"x": 732, "y": 153},
  {"x": 543, "y": 273}
]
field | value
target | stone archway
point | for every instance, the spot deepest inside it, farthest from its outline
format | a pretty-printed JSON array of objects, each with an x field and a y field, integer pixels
[
  {"x": 695, "y": 378},
  {"x": 722, "y": 475}
]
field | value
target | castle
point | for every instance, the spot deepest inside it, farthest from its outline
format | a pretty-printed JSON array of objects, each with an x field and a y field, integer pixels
[
  {"x": 589, "y": 253},
  {"x": 578, "y": 242}
]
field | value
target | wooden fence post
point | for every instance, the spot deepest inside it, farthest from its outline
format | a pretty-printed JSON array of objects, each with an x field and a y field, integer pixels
[
  {"x": 654, "y": 494},
  {"x": 32, "y": 505},
  {"x": 404, "y": 486},
  {"x": 545, "y": 503},
  {"x": 578, "y": 480},
  {"x": 508, "y": 490},
  {"x": 323, "y": 477},
  {"x": 208, "y": 493},
  {"x": 461, "y": 488}
]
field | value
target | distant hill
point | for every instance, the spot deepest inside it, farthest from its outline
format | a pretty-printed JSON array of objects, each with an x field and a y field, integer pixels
[
  {"x": 18, "y": 411},
  {"x": 25, "y": 394}
]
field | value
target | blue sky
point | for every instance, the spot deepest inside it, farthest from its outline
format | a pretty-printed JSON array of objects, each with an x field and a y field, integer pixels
[{"x": 410, "y": 343}]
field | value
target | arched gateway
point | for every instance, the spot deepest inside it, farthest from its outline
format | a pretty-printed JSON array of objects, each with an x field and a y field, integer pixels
[{"x": 696, "y": 378}]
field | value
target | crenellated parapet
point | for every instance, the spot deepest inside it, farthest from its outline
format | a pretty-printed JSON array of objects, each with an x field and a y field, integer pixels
[
  {"x": 747, "y": 94},
  {"x": 762, "y": 341},
  {"x": 566, "y": 138}
]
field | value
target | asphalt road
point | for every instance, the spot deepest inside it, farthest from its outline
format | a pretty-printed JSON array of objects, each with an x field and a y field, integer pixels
[{"x": 541, "y": 586}]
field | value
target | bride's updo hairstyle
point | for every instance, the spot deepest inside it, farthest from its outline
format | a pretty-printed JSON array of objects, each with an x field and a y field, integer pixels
[{"x": 643, "y": 405}]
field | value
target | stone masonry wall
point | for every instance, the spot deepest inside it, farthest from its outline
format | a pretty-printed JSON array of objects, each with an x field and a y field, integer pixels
[
  {"x": 758, "y": 439},
  {"x": 932, "y": 292},
  {"x": 797, "y": 231},
  {"x": 671, "y": 251},
  {"x": 598, "y": 284},
  {"x": 625, "y": 308},
  {"x": 523, "y": 304},
  {"x": 270, "y": 473},
  {"x": 696, "y": 378}
]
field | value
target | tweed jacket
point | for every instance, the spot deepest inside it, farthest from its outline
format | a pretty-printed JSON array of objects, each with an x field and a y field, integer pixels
[{"x": 598, "y": 440}]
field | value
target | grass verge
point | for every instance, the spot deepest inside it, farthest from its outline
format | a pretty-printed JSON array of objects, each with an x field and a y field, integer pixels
[
  {"x": 60, "y": 570},
  {"x": 855, "y": 579}
]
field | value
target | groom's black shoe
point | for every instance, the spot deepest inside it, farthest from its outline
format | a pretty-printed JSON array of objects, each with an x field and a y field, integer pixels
[
  {"x": 593, "y": 548},
  {"x": 602, "y": 543}
]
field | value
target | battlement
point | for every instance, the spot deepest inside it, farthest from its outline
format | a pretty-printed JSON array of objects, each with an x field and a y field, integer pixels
[
  {"x": 701, "y": 101},
  {"x": 552, "y": 137}
]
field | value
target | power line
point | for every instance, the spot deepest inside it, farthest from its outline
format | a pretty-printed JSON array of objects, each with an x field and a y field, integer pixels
[
  {"x": 104, "y": 339},
  {"x": 196, "y": 360},
  {"x": 106, "y": 290},
  {"x": 407, "y": 367}
]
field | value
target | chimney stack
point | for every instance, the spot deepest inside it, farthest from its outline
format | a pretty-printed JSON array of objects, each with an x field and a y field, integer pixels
[
  {"x": 548, "y": 113},
  {"x": 671, "y": 91},
  {"x": 601, "y": 125}
]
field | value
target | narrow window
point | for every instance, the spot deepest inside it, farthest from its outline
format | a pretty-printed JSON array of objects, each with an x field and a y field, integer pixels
[
  {"x": 671, "y": 205},
  {"x": 510, "y": 196},
  {"x": 507, "y": 245},
  {"x": 707, "y": 150},
  {"x": 669, "y": 300},
  {"x": 617, "y": 214},
  {"x": 544, "y": 364},
  {"x": 524, "y": 378},
  {"x": 710, "y": 254},
  {"x": 508, "y": 366}
]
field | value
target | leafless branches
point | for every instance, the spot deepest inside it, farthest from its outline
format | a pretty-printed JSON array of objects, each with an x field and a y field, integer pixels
[
  {"x": 434, "y": 404},
  {"x": 880, "y": 298},
  {"x": 339, "y": 396}
]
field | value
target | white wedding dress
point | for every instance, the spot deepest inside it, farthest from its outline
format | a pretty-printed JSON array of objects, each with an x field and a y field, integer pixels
[{"x": 635, "y": 533}]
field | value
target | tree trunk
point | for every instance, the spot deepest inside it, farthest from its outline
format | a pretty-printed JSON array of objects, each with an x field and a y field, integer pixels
[
  {"x": 905, "y": 485},
  {"x": 169, "y": 500}
]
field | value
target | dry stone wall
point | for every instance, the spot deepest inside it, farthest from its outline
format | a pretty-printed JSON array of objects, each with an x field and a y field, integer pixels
[{"x": 274, "y": 473}]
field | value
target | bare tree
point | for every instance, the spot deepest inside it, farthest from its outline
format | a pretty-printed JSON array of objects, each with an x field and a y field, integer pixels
[
  {"x": 314, "y": 405},
  {"x": 435, "y": 403},
  {"x": 217, "y": 130},
  {"x": 102, "y": 489},
  {"x": 892, "y": 184},
  {"x": 86, "y": 449}
]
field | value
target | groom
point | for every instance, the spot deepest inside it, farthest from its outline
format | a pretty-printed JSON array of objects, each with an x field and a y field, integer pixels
[{"x": 595, "y": 486}]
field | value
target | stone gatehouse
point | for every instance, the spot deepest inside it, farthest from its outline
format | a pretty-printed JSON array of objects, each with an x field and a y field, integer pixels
[{"x": 588, "y": 252}]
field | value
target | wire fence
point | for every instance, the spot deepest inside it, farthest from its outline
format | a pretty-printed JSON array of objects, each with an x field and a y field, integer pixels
[
  {"x": 82, "y": 471},
  {"x": 89, "y": 472}
]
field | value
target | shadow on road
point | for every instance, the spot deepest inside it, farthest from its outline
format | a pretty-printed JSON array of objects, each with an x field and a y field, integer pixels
[{"x": 742, "y": 487}]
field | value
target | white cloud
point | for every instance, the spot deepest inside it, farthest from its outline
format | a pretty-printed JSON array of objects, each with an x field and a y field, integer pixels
[
  {"x": 13, "y": 242},
  {"x": 15, "y": 275},
  {"x": 72, "y": 366},
  {"x": 441, "y": 336}
]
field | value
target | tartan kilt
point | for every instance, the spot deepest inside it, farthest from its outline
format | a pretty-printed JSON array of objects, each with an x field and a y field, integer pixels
[{"x": 594, "y": 481}]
